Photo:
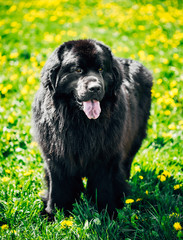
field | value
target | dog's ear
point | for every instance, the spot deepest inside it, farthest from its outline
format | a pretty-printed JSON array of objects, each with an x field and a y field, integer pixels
[
  {"x": 117, "y": 73},
  {"x": 51, "y": 68}
]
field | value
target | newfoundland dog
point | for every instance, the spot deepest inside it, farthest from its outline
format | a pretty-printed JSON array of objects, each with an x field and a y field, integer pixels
[{"x": 89, "y": 118}]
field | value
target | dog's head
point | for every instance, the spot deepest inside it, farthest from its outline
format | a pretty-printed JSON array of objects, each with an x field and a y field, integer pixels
[{"x": 84, "y": 70}]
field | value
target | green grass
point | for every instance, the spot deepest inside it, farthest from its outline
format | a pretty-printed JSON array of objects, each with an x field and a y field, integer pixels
[{"x": 148, "y": 32}]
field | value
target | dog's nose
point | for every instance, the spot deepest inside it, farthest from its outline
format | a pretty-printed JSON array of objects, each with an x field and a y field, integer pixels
[{"x": 94, "y": 87}]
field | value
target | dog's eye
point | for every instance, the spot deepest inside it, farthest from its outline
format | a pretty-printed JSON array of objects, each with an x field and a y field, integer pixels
[
  {"x": 100, "y": 69},
  {"x": 79, "y": 70}
]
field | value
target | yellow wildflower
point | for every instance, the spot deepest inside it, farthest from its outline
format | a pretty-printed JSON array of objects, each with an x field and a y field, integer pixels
[
  {"x": 66, "y": 223},
  {"x": 178, "y": 186},
  {"x": 141, "y": 177},
  {"x": 139, "y": 199},
  {"x": 4, "y": 227},
  {"x": 150, "y": 57},
  {"x": 14, "y": 77},
  {"x": 174, "y": 215},
  {"x": 177, "y": 226},
  {"x": 11, "y": 119},
  {"x": 48, "y": 37},
  {"x": 174, "y": 92},
  {"x": 173, "y": 84},
  {"x": 137, "y": 169},
  {"x": 141, "y": 27},
  {"x": 157, "y": 95},
  {"x": 7, "y": 171},
  {"x": 162, "y": 178},
  {"x": 25, "y": 90},
  {"x": 8, "y": 136},
  {"x": 172, "y": 126},
  {"x": 166, "y": 173},
  {"x": 129, "y": 201},
  {"x": 31, "y": 80},
  {"x": 5, "y": 179},
  {"x": 28, "y": 173},
  {"x": 14, "y": 55},
  {"x": 167, "y": 112},
  {"x": 4, "y": 90},
  {"x": 166, "y": 135},
  {"x": 176, "y": 56},
  {"x": 165, "y": 61},
  {"x": 147, "y": 192},
  {"x": 159, "y": 81},
  {"x": 181, "y": 122}
]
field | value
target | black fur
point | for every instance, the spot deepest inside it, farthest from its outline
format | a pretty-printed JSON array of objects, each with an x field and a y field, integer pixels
[{"x": 74, "y": 146}]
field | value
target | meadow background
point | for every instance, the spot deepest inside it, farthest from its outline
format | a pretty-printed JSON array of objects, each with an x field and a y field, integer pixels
[{"x": 148, "y": 31}]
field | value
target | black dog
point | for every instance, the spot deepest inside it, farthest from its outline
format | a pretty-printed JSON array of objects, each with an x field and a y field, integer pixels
[{"x": 90, "y": 116}]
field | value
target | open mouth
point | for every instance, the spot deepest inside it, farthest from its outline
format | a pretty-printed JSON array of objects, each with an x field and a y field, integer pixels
[{"x": 92, "y": 109}]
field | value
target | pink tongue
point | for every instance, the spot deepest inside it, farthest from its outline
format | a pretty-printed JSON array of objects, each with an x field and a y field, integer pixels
[{"x": 92, "y": 109}]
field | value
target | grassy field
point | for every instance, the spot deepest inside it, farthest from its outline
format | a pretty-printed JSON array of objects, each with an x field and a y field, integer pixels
[{"x": 149, "y": 33}]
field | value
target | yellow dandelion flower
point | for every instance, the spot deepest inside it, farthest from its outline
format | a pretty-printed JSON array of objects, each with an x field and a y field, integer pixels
[
  {"x": 25, "y": 90},
  {"x": 14, "y": 55},
  {"x": 48, "y": 37},
  {"x": 172, "y": 126},
  {"x": 66, "y": 223},
  {"x": 159, "y": 81},
  {"x": 139, "y": 199},
  {"x": 157, "y": 95},
  {"x": 174, "y": 215},
  {"x": 141, "y": 27},
  {"x": 7, "y": 171},
  {"x": 167, "y": 112},
  {"x": 142, "y": 55},
  {"x": 4, "y": 90},
  {"x": 53, "y": 18},
  {"x": 4, "y": 227},
  {"x": 141, "y": 177},
  {"x": 14, "y": 77},
  {"x": 165, "y": 61},
  {"x": 71, "y": 33},
  {"x": 150, "y": 57},
  {"x": 8, "y": 136},
  {"x": 166, "y": 173},
  {"x": 31, "y": 80},
  {"x": 11, "y": 119},
  {"x": 162, "y": 178},
  {"x": 181, "y": 122},
  {"x": 137, "y": 169},
  {"x": 33, "y": 59},
  {"x": 173, "y": 84},
  {"x": 5, "y": 179},
  {"x": 177, "y": 226},
  {"x": 129, "y": 201},
  {"x": 166, "y": 135},
  {"x": 12, "y": 8},
  {"x": 178, "y": 186},
  {"x": 174, "y": 92},
  {"x": 176, "y": 56},
  {"x": 28, "y": 173},
  {"x": 147, "y": 192},
  {"x": 58, "y": 38}
]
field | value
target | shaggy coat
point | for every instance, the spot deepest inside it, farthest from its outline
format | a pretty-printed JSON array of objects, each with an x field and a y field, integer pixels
[{"x": 89, "y": 117}]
